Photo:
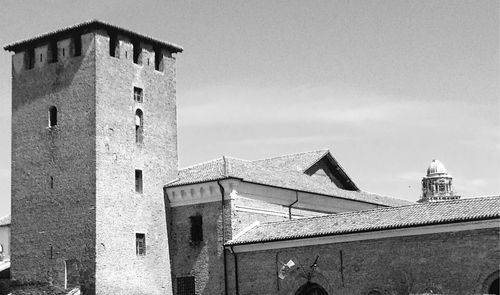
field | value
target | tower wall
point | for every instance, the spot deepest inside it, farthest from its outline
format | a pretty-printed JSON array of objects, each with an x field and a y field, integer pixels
[
  {"x": 121, "y": 211},
  {"x": 53, "y": 168}
]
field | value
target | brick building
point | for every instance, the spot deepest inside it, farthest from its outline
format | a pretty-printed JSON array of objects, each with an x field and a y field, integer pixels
[{"x": 99, "y": 204}]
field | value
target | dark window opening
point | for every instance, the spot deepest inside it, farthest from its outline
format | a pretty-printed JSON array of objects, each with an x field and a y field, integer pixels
[
  {"x": 77, "y": 43},
  {"x": 140, "y": 244},
  {"x": 113, "y": 46},
  {"x": 196, "y": 228},
  {"x": 138, "y": 94},
  {"x": 137, "y": 52},
  {"x": 52, "y": 116},
  {"x": 41, "y": 57},
  {"x": 185, "y": 286},
  {"x": 63, "y": 52},
  {"x": 139, "y": 126},
  {"x": 138, "y": 181},
  {"x": 158, "y": 60},
  {"x": 53, "y": 51},
  {"x": 30, "y": 58},
  {"x": 51, "y": 182}
]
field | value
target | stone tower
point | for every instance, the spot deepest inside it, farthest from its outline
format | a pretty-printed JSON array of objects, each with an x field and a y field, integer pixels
[
  {"x": 437, "y": 184},
  {"x": 94, "y": 139}
]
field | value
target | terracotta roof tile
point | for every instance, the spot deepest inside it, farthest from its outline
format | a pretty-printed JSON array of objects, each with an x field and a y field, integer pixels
[
  {"x": 375, "y": 219},
  {"x": 284, "y": 171}
]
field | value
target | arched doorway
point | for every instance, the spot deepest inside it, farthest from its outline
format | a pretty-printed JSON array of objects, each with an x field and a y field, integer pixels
[{"x": 311, "y": 289}]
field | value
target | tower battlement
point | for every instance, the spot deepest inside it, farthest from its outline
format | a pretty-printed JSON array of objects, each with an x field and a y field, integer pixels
[{"x": 60, "y": 46}]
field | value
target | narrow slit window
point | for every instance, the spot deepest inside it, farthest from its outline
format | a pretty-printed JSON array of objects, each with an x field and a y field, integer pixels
[
  {"x": 138, "y": 94},
  {"x": 137, "y": 52},
  {"x": 51, "y": 182},
  {"x": 185, "y": 286},
  {"x": 77, "y": 42},
  {"x": 196, "y": 228},
  {"x": 139, "y": 126},
  {"x": 138, "y": 181},
  {"x": 140, "y": 244},
  {"x": 158, "y": 60},
  {"x": 52, "y": 116},
  {"x": 113, "y": 46}
]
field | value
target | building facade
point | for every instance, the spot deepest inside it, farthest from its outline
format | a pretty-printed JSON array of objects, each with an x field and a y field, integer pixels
[
  {"x": 94, "y": 139},
  {"x": 431, "y": 248}
]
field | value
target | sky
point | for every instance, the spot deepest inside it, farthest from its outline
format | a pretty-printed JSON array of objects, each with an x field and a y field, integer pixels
[{"x": 386, "y": 85}]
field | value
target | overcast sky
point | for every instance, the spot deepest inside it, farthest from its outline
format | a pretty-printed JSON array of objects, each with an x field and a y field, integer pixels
[{"x": 387, "y": 86}]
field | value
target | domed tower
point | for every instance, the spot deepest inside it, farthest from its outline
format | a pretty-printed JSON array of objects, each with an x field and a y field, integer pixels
[{"x": 437, "y": 185}]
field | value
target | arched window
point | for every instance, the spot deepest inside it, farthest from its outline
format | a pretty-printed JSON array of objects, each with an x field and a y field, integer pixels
[
  {"x": 139, "y": 123},
  {"x": 52, "y": 116}
]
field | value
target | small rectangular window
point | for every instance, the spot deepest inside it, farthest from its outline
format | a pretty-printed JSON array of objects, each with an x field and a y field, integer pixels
[
  {"x": 138, "y": 181},
  {"x": 140, "y": 244},
  {"x": 196, "y": 229},
  {"x": 77, "y": 43},
  {"x": 138, "y": 94},
  {"x": 185, "y": 286}
]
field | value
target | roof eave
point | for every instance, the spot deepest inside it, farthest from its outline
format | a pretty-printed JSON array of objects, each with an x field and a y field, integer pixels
[
  {"x": 87, "y": 26},
  {"x": 363, "y": 231}
]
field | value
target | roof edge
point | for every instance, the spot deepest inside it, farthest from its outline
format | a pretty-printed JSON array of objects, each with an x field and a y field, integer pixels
[
  {"x": 90, "y": 25},
  {"x": 450, "y": 221}
]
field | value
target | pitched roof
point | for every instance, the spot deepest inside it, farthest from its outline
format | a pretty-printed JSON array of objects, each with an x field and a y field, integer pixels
[
  {"x": 5, "y": 220},
  {"x": 374, "y": 219},
  {"x": 285, "y": 171},
  {"x": 85, "y": 27}
]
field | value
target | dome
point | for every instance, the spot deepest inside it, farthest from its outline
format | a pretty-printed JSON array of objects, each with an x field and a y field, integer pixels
[{"x": 436, "y": 167}]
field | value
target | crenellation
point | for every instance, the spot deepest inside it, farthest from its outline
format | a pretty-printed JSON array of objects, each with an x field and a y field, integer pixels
[
  {"x": 18, "y": 62},
  {"x": 63, "y": 49},
  {"x": 41, "y": 56},
  {"x": 125, "y": 48}
]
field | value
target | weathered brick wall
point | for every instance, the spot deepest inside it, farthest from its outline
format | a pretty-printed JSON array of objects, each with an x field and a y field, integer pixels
[
  {"x": 448, "y": 263},
  {"x": 121, "y": 212},
  {"x": 51, "y": 225},
  {"x": 205, "y": 260}
]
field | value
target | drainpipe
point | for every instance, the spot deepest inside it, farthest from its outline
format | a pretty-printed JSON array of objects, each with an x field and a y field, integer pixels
[
  {"x": 236, "y": 285},
  {"x": 290, "y": 206},
  {"x": 222, "y": 192}
]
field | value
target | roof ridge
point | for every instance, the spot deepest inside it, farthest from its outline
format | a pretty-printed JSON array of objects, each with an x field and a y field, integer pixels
[
  {"x": 309, "y": 165},
  {"x": 201, "y": 163},
  {"x": 212, "y": 160},
  {"x": 291, "y": 154},
  {"x": 384, "y": 209}
]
